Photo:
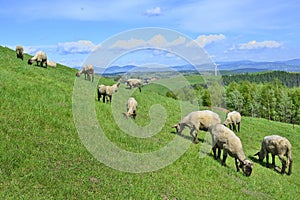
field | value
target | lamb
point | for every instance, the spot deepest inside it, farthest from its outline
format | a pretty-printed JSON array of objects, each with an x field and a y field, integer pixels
[
  {"x": 107, "y": 91},
  {"x": 131, "y": 108},
  {"x": 233, "y": 118},
  {"x": 276, "y": 145},
  {"x": 224, "y": 138},
  {"x": 19, "y": 52},
  {"x": 51, "y": 63},
  {"x": 198, "y": 120},
  {"x": 40, "y": 57},
  {"x": 134, "y": 83},
  {"x": 87, "y": 70}
]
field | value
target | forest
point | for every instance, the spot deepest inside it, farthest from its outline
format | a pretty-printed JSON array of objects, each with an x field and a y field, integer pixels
[
  {"x": 273, "y": 95},
  {"x": 289, "y": 79}
]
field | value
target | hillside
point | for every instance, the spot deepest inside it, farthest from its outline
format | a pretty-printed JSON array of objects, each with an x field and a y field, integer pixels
[{"x": 43, "y": 156}]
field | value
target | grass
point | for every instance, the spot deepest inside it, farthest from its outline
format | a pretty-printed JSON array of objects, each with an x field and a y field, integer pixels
[{"x": 43, "y": 157}]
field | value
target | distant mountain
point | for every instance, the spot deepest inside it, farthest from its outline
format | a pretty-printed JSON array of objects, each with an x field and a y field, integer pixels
[
  {"x": 241, "y": 66},
  {"x": 252, "y": 66}
]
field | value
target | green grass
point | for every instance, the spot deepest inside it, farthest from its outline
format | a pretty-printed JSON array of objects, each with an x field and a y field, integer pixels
[{"x": 42, "y": 156}]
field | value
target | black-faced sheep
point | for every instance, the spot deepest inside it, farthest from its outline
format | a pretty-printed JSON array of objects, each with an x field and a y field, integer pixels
[
  {"x": 19, "y": 52},
  {"x": 87, "y": 70},
  {"x": 224, "y": 138},
  {"x": 131, "y": 108},
  {"x": 198, "y": 120},
  {"x": 131, "y": 83},
  {"x": 40, "y": 58},
  {"x": 276, "y": 145},
  {"x": 233, "y": 119},
  {"x": 107, "y": 91}
]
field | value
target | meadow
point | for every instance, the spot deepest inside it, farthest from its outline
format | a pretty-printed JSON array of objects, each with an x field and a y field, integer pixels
[{"x": 43, "y": 154}]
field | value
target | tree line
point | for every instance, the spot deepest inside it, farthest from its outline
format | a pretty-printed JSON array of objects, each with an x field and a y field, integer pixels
[
  {"x": 273, "y": 100},
  {"x": 288, "y": 79}
]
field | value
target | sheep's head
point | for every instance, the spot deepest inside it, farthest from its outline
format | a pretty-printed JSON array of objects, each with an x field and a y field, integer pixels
[
  {"x": 78, "y": 74},
  {"x": 227, "y": 121},
  {"x": 247, "y": 167},
  {"x": 179, "y": 127},
  {"x": 29, "y": 62}
]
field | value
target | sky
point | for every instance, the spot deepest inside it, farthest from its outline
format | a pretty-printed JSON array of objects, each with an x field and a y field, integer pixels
[{"x": 70, "y": 30}]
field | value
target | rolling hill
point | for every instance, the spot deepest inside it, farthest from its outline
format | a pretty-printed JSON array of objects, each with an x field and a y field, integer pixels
[{"x": 43, "y": 153}]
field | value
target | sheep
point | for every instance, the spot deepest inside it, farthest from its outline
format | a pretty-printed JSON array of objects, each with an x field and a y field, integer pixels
[
  {"x": 87, "y": 70},
  {"x": 224, "y": 138},
  {"x": 51, "y": 63},
  {"x": 40, "y": 57},
  {"x": 134, "y": 83},
  {"x": 276, "y": 145},
  {"x": 107, "y": 91},
  {"x": 131, "y": 108},
  {"x": 19, "y": 52},
  {"x": 233, "y": 118},
  {"x": 197, "y": 120}
]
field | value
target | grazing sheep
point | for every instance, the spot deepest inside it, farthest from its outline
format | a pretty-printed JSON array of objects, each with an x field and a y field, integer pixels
[
  {"x": 19, "y": 52},
  {"x": 87, "y": 70},
  {"x": 276, "y": 145},
  {"x": 134, "y": 83},
  {"x": 40, "y": 57},
  {"x": 224, "y": 138},
  {"x": 233, "y": 118},
  {"x": 107, "y": 91},
  {"x": 198, "y": 120},
  {"x": 131, "y": 108},
  {"x": 51, "y": 63}
]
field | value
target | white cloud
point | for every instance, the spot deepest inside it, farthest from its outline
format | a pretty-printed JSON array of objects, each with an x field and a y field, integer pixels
[
  {"x": 258, "y": 45},
  {"x": 153, "y": 12},
  {"x": 128, "y": 44},
  {"x": 79, "y": 47},
  {"x": 203, "y": 40}
]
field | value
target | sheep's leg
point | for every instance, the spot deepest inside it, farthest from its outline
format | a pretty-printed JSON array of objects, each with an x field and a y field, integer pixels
[
  {"x": 283, "y": 164},
  {"x": 196, "y": 136},
  {"x": 104, "y": 96},
  {"x": 224, "y": 158},
  {"x": 219, "y": 152},
  {"x": 273, "y": 160},
  {"x": 290, "y": 166},
  {"x": 99, "y": 95},
  {"x": 267, "y": 159},
  {"x": 234, "y": 127},
  {"x": 140, "y": 89},
  {"x": 239, "y": 124},
  {"x": 214, "y": 151},
  {"x": 237, "y": 165}
]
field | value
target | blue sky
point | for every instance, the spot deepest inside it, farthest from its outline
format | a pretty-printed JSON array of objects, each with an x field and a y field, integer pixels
[{"x": 69, "y": 30}]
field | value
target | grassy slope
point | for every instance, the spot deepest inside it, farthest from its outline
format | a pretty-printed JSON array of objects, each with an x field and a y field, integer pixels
[{"x": 42, "y": 157}]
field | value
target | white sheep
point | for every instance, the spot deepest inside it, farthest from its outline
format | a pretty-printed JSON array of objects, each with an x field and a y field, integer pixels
[
  {"x": 198, "y": 120},
  {"x": 87, "y": 70},
  {"x": 233, "y": 119},
  {"x": 51, "y": 63},
  {"x": 107, "y": 91},
  {"x": 134, "y": 83},
  {"x": 40, "y": 57},
  {"x": 131, "y": 107},
  {"x": 19, "y": 51},
  {"x": 224, "y": 138},
  {"x": 276, "y": 145}
]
